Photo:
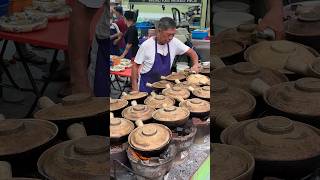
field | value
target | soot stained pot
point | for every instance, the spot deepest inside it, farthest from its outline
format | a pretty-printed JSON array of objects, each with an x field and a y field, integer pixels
[
  {"x": 231, "y": 99},
  {"x": 134, "y": 96},
  {"x": 150, "y": 139},
  {"x": 92, "y": 111},
  {"x": 280, "y": 146},
  {"x": 138, "y": 112},
  {"x": 157, "y": 101},
  {"x": 242, "y": 74},
  {"x": 83, "y": 157},
  {"x": 298, "y": 100},
  {"x": 231, "y": 162},
  {"x": 197, "y": 107},
  {"x": 275, "y": 54},
  {"x": 172, "y": 116}
]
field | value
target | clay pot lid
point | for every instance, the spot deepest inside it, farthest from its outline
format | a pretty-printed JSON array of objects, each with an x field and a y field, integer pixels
[
  {"x": 21, "y": 135},
  {"x": 226, "y": 48},
  {"x": 74, "y": 107},
  {"x": 274, "y": 54},
  {"x": 231, "y": 99},
  {"x": 196, "y": 105},
  {"x": 120, "y": 127},
  {"x": 175, "y": 75},
  {"x": 162, "y": 84},
  {"x": 230, "y": 162},
  {"x": 171, "y": 113},
  {"x": 82, "y": 158},
  {"x": 134, "y": 95},
  {"x": 175, "y": 91},
  {"x": 157, "y": 101},
  {"x": 301, "y": 28},
  {"x": 299, "y": 97},
  {"x": 138, "y": 112},
  {"x": 242, "y": 33},
  {"x": 185, "y": 84},
  {"x": 274, "y": 138},
  {"x": 242, "y": 74},
  {"x": 315, "y": 67},
  {"x": 202, "y": 92},
  {"x": 198, "y": 79},
  {"x": 150, "y": 137},
  {"x": 116, "y": 104}
]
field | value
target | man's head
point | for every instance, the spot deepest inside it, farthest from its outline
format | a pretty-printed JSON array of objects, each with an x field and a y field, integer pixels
[
  {"x": 166, "y": 30},
  {"x": 129, "y": 17},
  {"x": 118, "y": 10}
]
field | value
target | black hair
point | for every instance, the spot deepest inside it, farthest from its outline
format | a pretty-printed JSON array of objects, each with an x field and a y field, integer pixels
[
  {"x": 130, "y": 15},
  {"x": 119, "y": 9}
]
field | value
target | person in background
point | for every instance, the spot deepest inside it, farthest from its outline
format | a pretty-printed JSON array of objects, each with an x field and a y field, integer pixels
[
  {"x": 115, "y": 37},
  {"x": 82, "y": 79},
  {"x": 156, "y": 55},
  {"x": 119, "y": 20},
  {"x": 130, "y": 37}
]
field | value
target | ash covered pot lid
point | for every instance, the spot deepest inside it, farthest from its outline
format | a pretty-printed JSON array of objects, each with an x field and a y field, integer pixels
[
  {"x": 230, "y": 99},
  {"x": 175, "y": 75},
  {"x": 73, "y": 107},
  {"x": 196, "y": 105},
  {"x": 274, "y": 54},
  {"x": 150, "y": 137},
  {"x": 120, "y": 127},
  {"x": 138, "y": 112},
  {"x": 202, "y": 92},
  {"x": 198, "y": 79},
  {"x": 171, "y": 113},
  {"x": 175, "y": 91},
  {"x": 274, "y": 138},
  {"x": 157, "y": 101},
  {"x": 134, "y": 95},
  {"x": 116, "y": 104},
  {"x": 81, "y": 158},
  {"x": 21, "y": 135},
  {"x": 299, "y": 97},
  {"x": 229, "y": 162},
  {"x": 242, "y": 74}
]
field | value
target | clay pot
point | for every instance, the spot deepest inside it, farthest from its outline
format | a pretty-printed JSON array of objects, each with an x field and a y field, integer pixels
[
  {"x": 134, "y": 96},
  {"x": 231, "y": 162},
  {"x": 83, "y": 157},
  {"x": 198, "y": 79},
  {"x": 138, "y": 112},
  {"x": 120, "y": 129},
  {"x": 175, "y": 92},
  {"x": 280, "y": 146},
  {"x": 171, "y": 116},
  {"x": 174, "y": 76},
  {"x": 197, "y": 107},
  {"x": 157, "y": 101},
  {"x": 228, "y": 50},
  {"x": 117, "y": 105},
  {"x": 241, "y": 75},
  {"x": 158, "y": 86},
  {"x": 309, "y": 70},
  {"x": 201, "y": 92}
]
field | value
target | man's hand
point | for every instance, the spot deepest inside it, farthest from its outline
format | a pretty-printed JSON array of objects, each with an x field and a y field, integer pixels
[
  {"x": 196, "y": 68},
  {"x": 273, "y": 19}
]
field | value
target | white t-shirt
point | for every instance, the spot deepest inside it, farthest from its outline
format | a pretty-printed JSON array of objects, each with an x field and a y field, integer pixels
[{"x": 146, "y": 53}]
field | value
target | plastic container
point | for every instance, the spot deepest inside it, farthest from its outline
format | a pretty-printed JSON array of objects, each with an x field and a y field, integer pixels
[
  {"x": 199, "y": 34},
  {"x": 225, "y": 20},
  {"x": 4, "y": 6}
]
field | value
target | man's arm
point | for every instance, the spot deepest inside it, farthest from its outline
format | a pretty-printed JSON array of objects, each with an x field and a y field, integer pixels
[
  {"x": 134, "y": 76},
  {"x": 195, "y": 60},
  {"x": 126, "y": 51},
  {"x": 274, "y": 18}
]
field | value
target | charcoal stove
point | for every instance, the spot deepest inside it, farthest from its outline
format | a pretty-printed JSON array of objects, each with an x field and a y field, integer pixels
[
  {"x": 155, "y": 168},
  {"x": 183, "y": 137},
  {"x": 118, "y": 152},
  {"x": 203, "y": 129}
]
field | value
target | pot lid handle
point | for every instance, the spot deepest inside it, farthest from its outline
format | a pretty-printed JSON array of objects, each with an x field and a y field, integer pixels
[
  {"x": 168, "y": 86},
  {"x": 149, "y": 85},
  {"x": 225, "y": 119},
  {"x": 297, "y": 66},
  {"x": 139, "y": 123},
  {"x": 177, "y": 81},
  {"x": 124, "y": 94},
  {"x": 76, "y": 131},
  {"x": 179, "y": 98},
  {"x": 134, "y": 103},
  {"x": 111, "y": 115},
  {"x": 153, "y": 94},
  {"x": 2, "y": 117},
  {"x": 259, "y": 86},
  {"x": 5, "y": 170},
  {"x": 45, "y": 102},
  {"x": 191, "y": 88},
  {"x": 163, "y": 77}
]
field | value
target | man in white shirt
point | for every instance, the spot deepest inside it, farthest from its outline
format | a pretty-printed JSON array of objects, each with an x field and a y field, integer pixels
[
  {"x": 156, "y": 55},
  {"x": 82, "y": 79}
]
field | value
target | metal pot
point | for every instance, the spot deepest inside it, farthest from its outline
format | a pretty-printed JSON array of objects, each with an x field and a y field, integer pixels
[
  {"x": 197, "y": 107},
  {"x": 274, "y": 54},
  {"x": 234, "y": 100},
  {"x": 171, "y": 116},
  {"x": 150, "y": 139},
  {"x": 91, "y": 111},
  {"x": 6, "y": 173},
  {"x": 231, "y": 162},
  {"x": 241, "y": 75},
  {"x": 157, "y": 101},
  {"x": 83, "y": 157},
  {"x": 135, "y": 96},
  {"x": 280, "y": 146},
  {"x": 23, "y": 140},
  {"x": 298, "y": 100},
  {"x": 138, "y": 112}
]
